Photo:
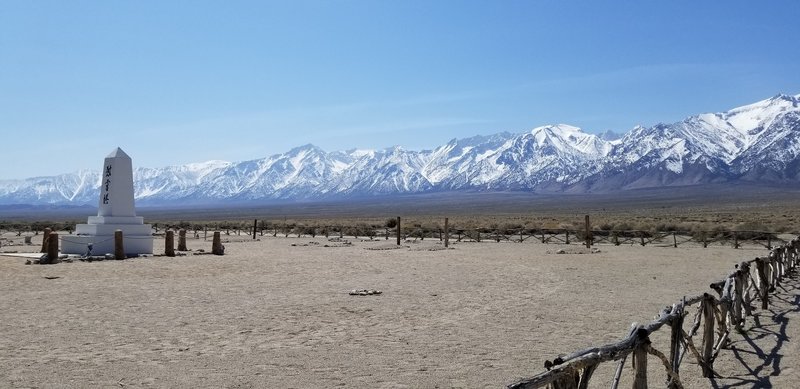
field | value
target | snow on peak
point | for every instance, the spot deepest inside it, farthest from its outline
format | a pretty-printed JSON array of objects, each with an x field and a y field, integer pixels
[
  {"x": 207, "y": 165},
  {"x": 759, "y": 114},
  {"x": 557, "y": 128},
  {"x": 358, "y": 153},
  {"x": 571, "y": 139}
]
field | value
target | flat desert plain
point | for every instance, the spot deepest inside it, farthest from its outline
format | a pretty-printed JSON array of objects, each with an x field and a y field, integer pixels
[{"x": 276, "y": 313}]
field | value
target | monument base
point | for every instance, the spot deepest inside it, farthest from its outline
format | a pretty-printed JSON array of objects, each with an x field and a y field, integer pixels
[{"x": 136, "y": 238}]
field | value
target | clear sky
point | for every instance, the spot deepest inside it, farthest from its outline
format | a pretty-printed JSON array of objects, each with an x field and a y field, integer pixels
[{"x": 173, "y": 82}]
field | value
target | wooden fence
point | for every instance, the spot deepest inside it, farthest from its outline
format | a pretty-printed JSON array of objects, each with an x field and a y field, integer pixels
[
  {"x": 445, "y": 232},
  {"x": 735, "y": 238},
  {"x": 716, "y": 314}
]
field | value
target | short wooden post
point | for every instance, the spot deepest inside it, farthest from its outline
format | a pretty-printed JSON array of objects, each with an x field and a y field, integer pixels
[
  {"x": 640, "y": 364},
  {"x": 169, "y": 244},
  {"x": 588, "y": 233},
  {"x": 205, "y": 233},
  {"x": 674, "y": 240},
  {"x": 763, "y": 282},
  {"x": 446, "y": 232},
  {"x": 708, "y": 335},
  {"x": 182, "y": 240},
  {"x": 567, "y": 240},
  {"x": 735, "y": 240},
  {"x": 398, "y": 230},
  {"x": 119, "y": 249},
  {"x": 216, "y": 245},
  {"x": 676, "y": 340},
  {"x": 616, "y": 238},
  {"x": 52, "y": 248},
  {"x": 769, "y": 241},
  {"x": 255, "y": 228},
  {"x": 737, "y": 299},
  {"x": 745, "y": 268},
  {"x": 45, "y": 236},
  {"x": 543, "y": 238}
]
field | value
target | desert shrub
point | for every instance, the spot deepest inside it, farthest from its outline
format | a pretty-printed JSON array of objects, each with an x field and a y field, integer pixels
[{"x": 606, "y": 226}]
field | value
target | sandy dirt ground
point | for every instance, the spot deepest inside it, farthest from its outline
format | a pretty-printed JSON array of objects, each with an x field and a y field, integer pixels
[{"x": 276, "y": 313}]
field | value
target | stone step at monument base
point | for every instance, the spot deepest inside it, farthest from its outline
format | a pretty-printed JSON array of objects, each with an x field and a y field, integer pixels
[
  {"x": 104, "y": 244},
  {"x": 136, "y": 239}
]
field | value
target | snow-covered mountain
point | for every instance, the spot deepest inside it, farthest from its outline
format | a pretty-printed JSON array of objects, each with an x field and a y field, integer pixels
[{"x": 757, "y": 142}]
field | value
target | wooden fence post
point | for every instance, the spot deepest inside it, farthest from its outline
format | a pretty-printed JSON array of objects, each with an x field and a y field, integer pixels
[
  {"x": 735, "y": 240},
  {"x": 216, "y": 245},
  {"x": 119, "y": 249},
  {"x": 763, "y": 286},
  {"x": 446, "y": 232},
  {"x": 737, "y": 298},
  {"x": 182, "y": 240},
  {"x": 255, "y": 228},
  {"x": 45, "y": 236},
  {"x": 398, "y": 230},
  {"x": 567, "y": 240},
  {"x": 674, "y": 240},
  {"x": 640, "y": 361},
  {"x": 708, "y": 334},
  {"x": 588, "y": 233},
  {"x": 52, "y": 248},
  {"x": 676, "y": 340},
  {"x": 169, "y": 244}
]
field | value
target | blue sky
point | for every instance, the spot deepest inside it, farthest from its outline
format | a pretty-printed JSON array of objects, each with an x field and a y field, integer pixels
[{"x": 173, "y": 82}]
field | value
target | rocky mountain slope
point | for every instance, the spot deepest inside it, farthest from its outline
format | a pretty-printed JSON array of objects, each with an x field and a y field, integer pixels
[{"x": 759, "y": 142}]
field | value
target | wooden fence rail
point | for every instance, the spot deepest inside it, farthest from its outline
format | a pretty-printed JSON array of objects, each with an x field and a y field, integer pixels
[
  {"x": 673, "y": 238},
  {"x": 718, "y": 313}
]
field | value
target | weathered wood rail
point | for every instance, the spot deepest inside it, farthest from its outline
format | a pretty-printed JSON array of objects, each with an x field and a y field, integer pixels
[
  {"x": 720, "y": 312},
  {"x": 675, "y": 238},
  {"x": 494, "y": 233}
]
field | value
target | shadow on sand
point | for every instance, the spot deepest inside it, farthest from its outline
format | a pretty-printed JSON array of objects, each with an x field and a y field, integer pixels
[{"x": 764, "y": 340}]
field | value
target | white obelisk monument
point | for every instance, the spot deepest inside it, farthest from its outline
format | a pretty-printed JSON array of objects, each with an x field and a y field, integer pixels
[{"x": 115, "y": 212}]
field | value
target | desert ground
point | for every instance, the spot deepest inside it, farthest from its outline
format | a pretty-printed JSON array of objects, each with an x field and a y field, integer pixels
[{"x": 276, "y": 313}]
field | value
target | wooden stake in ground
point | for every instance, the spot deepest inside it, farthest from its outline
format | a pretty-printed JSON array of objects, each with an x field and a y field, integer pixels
[
  {"x": 52, "y": 248},
  {"x": 588, "y": 233},
  {"x": 398, "y": 230},
  {"x": 46, "y": 235},
  {"x": 446, "y": 232},
  {"x": 119, "y": 249},
  {"x": 708, "y": 335},
  {"x": 255, "y": 228},
  {"x": 182, "y": 240},
  {"x": 169, "y": 244},
  {"x": 216, "y": 246}
]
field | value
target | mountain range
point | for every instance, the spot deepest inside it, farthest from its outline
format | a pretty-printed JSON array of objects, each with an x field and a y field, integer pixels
[{"x": 755, "y": 143}]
